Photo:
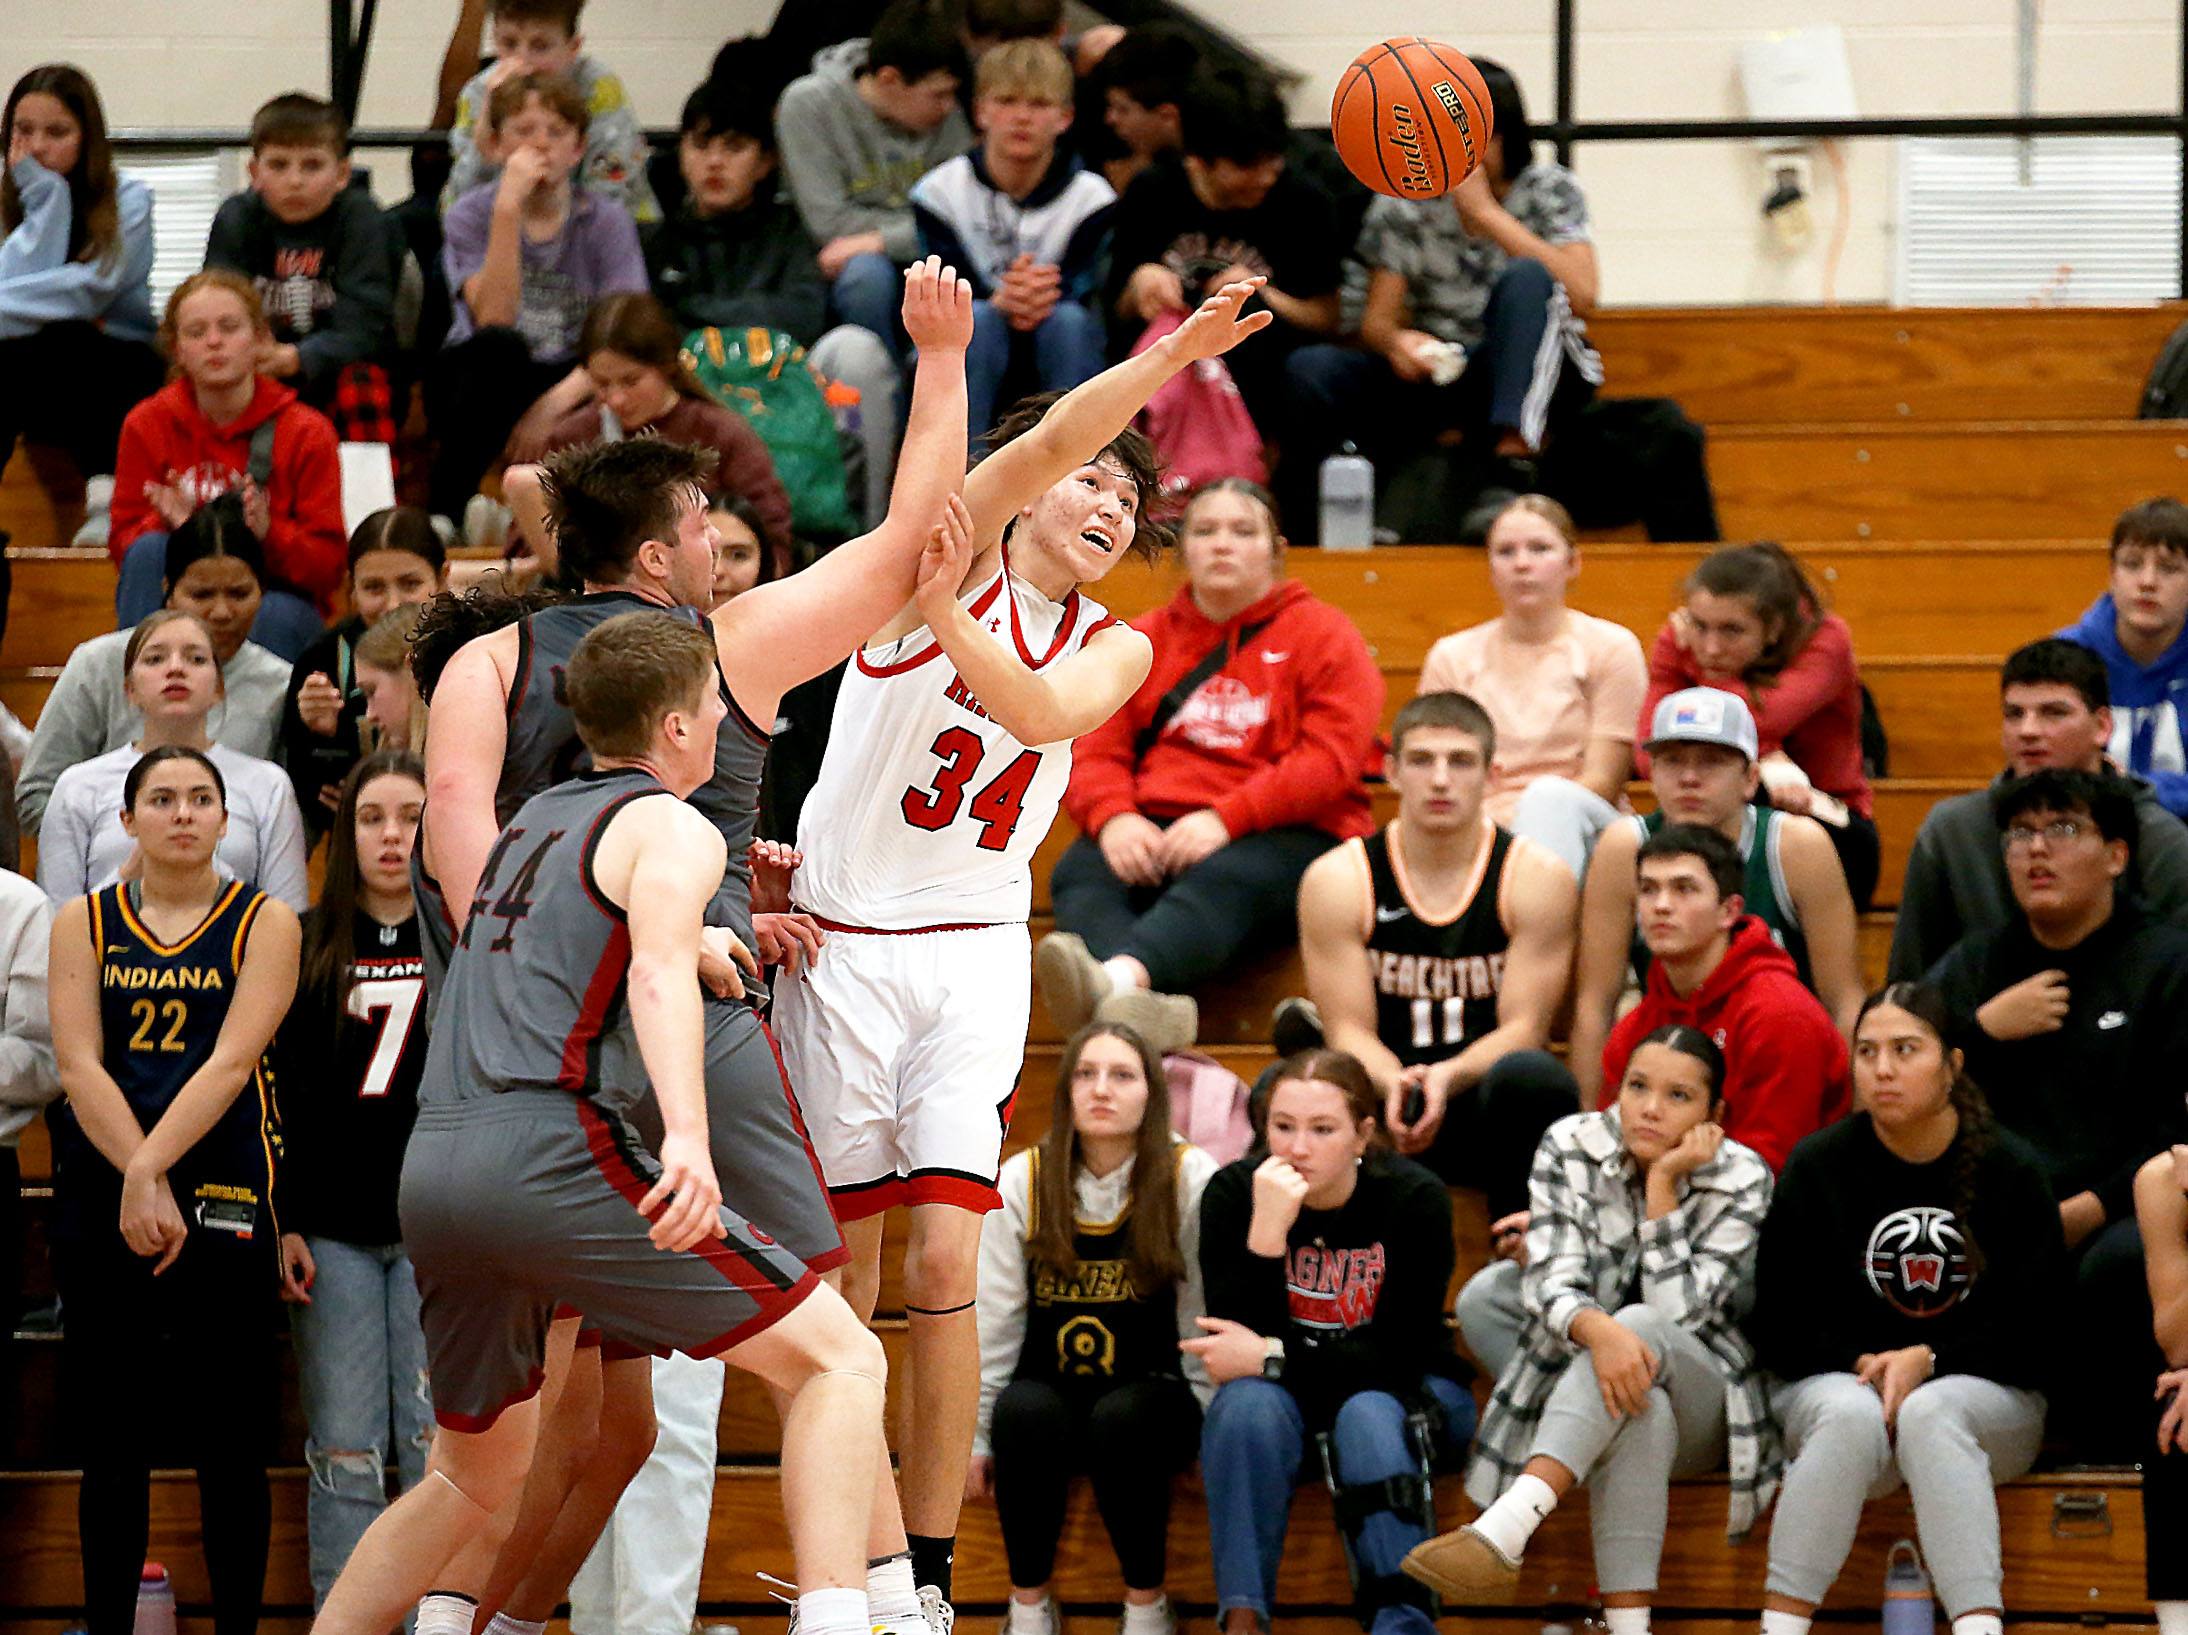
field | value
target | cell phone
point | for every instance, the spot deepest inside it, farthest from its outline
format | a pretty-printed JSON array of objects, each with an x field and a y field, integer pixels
[{"x": 1412, "y": 1105}]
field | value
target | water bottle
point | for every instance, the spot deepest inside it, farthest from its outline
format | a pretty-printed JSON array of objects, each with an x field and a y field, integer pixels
[
  {"x": 1348, "y": 501},
  {"x": 155, "y": 1602},
  {"x": 1908, "y": 1608}
]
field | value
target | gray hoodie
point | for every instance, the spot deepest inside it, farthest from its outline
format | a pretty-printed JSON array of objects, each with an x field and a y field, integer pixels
[
  {"x": 849, "y": 169},
  {"x": 1956, "y": 876}
]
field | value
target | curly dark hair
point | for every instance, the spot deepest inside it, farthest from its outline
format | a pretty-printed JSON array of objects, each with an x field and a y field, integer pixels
[{"x": 453, "y": 618}]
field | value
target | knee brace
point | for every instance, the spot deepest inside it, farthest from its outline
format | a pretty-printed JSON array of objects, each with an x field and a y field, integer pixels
[{"x": 1410, "y": 1496}]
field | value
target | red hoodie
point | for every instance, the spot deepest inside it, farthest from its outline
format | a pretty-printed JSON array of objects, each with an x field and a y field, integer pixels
[
  {"x": 1283, "y": 734},
  {"x": 1785, "y": 1064},
  {"x": 167, "y": 439}
]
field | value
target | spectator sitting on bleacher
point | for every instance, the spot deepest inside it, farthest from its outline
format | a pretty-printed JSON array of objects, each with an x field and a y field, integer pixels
[
  {"x": 1026, "y": 226},
  {"x": 171, "y": 676},
  {"x": 1239, "y": 761},
  {"x": 75, "y": 271},
  {"x": 1143, "y": 79},
  {"x": 541, "y": 37},
  {"x": 1089, "y": 1278},
  {"x": 395, "y": 557},
  {"x": 1437, "y": 951},
  {"x": 1641, "y": 1247},
  {"x": 214, "y": 571},
  {"x": 872, "y": 117},
  {"x": 734, "y": 255},
  {"x": 526, "y": 258},
  {"x": 1702, "y": 768},
  {"x": 1226, "y": 208},
  {"x": 1752, "y": 624},
  {"x": 1563, "y": 687},
  {"x": 2074, "y": 1016},
  {"x": 2139, "y": 627},
  {"x": 2055, "y": 711},
  {"x": 1908, "y": 1302},
  {"x": 2161, "y": 1209},
  {"x": 324, "y": 259},
  {"x": 219, "y": 427},
  {"x": 631, "y": 353},
  {"x": 1325, "y": 1258},
  {"x": 1473, "y": 321},
  {"x": 28, "y": 1077}
]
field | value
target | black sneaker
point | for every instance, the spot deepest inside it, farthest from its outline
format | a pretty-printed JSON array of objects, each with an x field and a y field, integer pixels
[{"x": 1295, "y": 1025}]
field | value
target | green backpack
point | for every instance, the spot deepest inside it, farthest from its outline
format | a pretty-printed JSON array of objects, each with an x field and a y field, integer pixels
[{"x": 763, "y": 374}]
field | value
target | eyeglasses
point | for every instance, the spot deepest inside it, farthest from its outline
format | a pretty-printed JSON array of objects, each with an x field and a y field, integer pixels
[{"x": 2020, "y": 836}]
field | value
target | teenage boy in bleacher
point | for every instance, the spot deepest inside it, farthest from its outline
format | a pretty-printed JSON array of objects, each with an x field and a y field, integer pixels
[
  {"x": 2074, "y": 1017},
  {"x": 324, "y": 260},
  {"x": 2139, "y": 627},
  {"x": 1143, "y": 79},
  {"x": 1702, "y": 748},
  {"x": 2054, "y": 711}
]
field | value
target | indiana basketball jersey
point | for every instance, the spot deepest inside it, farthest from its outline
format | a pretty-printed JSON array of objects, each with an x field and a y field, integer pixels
[
  {"x": 926, "y": 812},
  {"x": 1436, "y": 982}
]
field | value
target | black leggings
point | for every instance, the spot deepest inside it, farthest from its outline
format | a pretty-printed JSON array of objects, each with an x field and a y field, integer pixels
[
  {"x": 2106, "y": 1418},
  {"x": 181, "y": 1365},
  {"x": 87, "y": 382},
  {"x": 1860, "y": 855},
  {"x": 1185, "y": 931},
  {"x": 1130, "y": 1440},
  {"x": 475, "y": 393}
]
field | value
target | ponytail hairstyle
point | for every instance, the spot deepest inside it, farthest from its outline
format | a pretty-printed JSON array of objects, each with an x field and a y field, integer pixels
[
  {"x": 1772, "y": 581},
  {"x": 330, "y": 930},
  {"x": 1699, "y": 1045},
  {"x": 1154, "y": 1261},
  {"x": 94, "y": 191},
  {"x": 1926, "y": 1004},
  {"x": 1335, "y": 1068}
]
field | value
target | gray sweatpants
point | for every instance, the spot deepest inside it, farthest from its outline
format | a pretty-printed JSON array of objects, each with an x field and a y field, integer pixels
[
  {"x": 1492, "y": 1312},
  {"x": 1958, "y": 1437},
  {"x": 1566, "y": 816},
  {"x": 1628, "y": 1464}
]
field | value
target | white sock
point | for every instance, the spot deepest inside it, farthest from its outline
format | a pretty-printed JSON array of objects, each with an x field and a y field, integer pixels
[
  {"x": 446, "y": 1613},
  {"x": 1979, "y": 1623},
  {"x": 833, "y": 1612},
  {"x": 1029, "y": 1617},
  {"x": 1785, "y": 1623},
  {"x": 1629, "y": 1620},
  {"x": 1147, "y": 1620},
  {"x": 2172, "y": 1617},
  {"x": 1123, "y": 974},
  {"x": 891, "y": 1596},
  {"x": 1512, "y": 1520},
  {"x": 502, "y": 1624}
]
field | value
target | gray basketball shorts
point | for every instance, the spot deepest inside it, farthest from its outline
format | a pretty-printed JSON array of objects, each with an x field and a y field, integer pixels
[{"x": 516, "y": 1203}]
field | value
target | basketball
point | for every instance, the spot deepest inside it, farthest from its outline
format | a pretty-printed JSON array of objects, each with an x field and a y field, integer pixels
[{"x": 1411, "y": 118}]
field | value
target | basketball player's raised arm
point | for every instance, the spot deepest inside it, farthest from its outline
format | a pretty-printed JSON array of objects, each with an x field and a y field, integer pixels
[
  {"x": 72, "y": 1004},
  {"x": 660, "y": 861},
  {"x": 790, "y": 630},
  {"x": 466, "y": 734},
  {"x": 1817, "y": 882},
  {"x": 1084, "y": 421},
  {"x": 1036, "y": 707},
  {"x": 1606, "y": 951},
  {"x": 1334, "y": 899}
]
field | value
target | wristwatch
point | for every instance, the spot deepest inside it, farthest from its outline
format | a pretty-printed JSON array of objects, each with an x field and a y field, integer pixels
[{"x": 1272, "y": 1359}]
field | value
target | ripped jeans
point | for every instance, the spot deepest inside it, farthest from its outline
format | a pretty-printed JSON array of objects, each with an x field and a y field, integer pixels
[{"x": 360, "y": 1363}]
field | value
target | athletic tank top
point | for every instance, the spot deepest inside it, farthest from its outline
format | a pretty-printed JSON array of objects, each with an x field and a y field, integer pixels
[
  {"x": 161, "y": 1008},
  {"x": 1767, "y": 895},
  {"x": 536, "y": 991},
  {"x": 436, "y": 925},
  {"x": 925, "y": 811},
  {"x": 1091, "y": 1331},
  {"x": 1436, "y": 984},
  {"x": 543, "y": 747}
]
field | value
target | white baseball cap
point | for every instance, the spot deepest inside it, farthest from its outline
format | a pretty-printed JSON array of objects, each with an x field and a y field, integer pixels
[{"x": 1704, "y": 715}]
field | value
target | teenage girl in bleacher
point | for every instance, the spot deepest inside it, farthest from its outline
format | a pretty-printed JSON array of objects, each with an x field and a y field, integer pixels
[
  {"x": 1632, "y": 1369},
  {"x": 2161, "y": 1207},
  {"x": 348, "y": 1058},
  {"x": 165, "y": 994},
  {"x": 1089, "y": 1276},
  {"x": 1752, "y": 624},
  {"x": 1907, "y": 1290}
]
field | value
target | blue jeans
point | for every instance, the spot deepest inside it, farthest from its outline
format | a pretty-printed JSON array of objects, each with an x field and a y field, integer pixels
[
  {"x": 286, "y": 622},
  {"x": 1068, "y": 347},
  {"x": 869, "y": 292},
  {"x": 361, "y": 1371},
  {"x": 1252, "y": 1445}
]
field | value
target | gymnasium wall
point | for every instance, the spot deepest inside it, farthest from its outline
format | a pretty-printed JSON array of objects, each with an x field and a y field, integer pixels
[{"x": 1675, "y": 223}]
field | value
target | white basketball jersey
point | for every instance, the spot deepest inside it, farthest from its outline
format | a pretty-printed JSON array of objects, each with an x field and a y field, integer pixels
[{"x": 926, "y": 812}]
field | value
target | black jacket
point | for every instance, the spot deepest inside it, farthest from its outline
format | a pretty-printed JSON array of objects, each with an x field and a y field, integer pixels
[
  {"x": 328, "y": 283},
  {"x": 755, "y": 267}
]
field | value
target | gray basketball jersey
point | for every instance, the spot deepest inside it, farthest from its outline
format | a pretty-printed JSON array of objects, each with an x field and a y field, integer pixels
[
  {"x": 536, "y": 990},
  {"x": 544, "y": 750}
]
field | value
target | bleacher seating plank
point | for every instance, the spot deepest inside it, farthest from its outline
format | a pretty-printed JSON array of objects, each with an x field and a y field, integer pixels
[
  {"x": 59, "y": 597},
  {"x": 1770, "y": 365},
  {"x": 25, "y": 691},
  {"x": 41, "y": 498}
]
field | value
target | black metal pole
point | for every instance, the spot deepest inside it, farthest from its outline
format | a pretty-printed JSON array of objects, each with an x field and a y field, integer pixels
[
  {"x": 1564, "y": 71},
  {"x": 338, "y": 50}
]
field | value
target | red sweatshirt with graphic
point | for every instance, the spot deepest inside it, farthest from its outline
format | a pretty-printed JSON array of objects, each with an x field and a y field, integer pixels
[
  {"x": 1283, "y": 733},
  {"x": 168, "y": 439},
  {"x": 1785, "y": 1064}
]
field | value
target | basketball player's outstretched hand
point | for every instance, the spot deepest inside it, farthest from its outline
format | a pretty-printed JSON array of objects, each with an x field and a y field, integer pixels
[
  {"x": 937, "y": 307},
  {"x": 1217, "y": 326},
  {"x": 685, "y": 1205},
  {"x": 943, "y": 561}
]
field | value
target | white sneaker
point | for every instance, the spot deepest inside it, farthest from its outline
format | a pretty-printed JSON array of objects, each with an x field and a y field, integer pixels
[
  {"x": 940, "y": 1615},
  {"x": 1038, "y": 1619},
  {"x": 98, "y": 507},
  {"x": 1165, "y": 1610},
  {"x": 486, "y": 522}
]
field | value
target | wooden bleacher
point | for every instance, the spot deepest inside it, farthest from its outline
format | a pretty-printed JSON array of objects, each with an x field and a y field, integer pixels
[{"x": 2000, "y": 444}]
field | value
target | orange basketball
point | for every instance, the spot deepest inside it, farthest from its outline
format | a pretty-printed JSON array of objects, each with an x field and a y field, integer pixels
[{"x": 1411, "y": 118}]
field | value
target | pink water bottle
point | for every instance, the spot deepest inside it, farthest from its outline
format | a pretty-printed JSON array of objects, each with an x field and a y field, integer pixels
[{"x": 155, "y": 1602}]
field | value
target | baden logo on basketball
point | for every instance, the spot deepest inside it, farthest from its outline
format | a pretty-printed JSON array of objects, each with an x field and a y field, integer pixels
[{"x": 1405, "y": 136}]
